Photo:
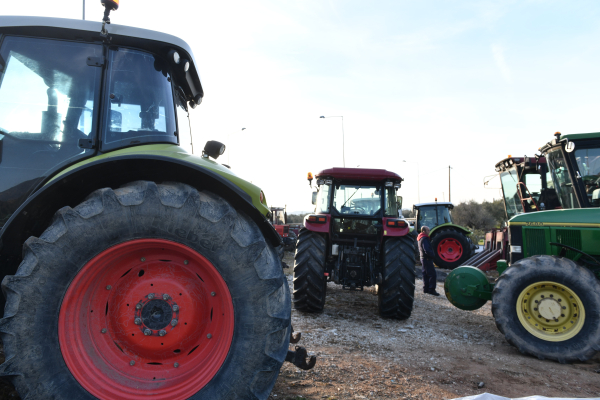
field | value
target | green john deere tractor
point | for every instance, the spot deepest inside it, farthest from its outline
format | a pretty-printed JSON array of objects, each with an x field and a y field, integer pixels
[
  {"x": 451, "y": 243},
  {"x": 547, "y": 299},
  {"x": 130, "y": 267}
]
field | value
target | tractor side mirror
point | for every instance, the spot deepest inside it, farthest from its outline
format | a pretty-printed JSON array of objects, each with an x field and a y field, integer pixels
[
  {"x": 399, "y": 202},
  {"x": 314, "y": 198}
]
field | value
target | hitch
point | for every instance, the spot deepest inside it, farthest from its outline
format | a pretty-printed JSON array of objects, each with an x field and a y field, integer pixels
[{"x": 298, "y": 358}]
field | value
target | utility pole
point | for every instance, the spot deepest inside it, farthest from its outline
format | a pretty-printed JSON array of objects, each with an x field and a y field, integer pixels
[
  {"x": 449, "y": 198},
  {"x": 84, "y": 10}
]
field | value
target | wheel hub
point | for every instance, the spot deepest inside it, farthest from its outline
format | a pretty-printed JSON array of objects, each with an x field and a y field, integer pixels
[
  {"x": 449, "y": 250},
  {"x": 156, "y": 314},
  {"x": 550, "y": 311}
]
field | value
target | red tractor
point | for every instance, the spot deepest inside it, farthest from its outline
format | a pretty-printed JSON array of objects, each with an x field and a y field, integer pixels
[
  {"x": 279, "y": 222},
  {"x": 356, "y": 239}
]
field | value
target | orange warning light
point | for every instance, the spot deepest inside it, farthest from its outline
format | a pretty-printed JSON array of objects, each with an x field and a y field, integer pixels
[
  {"x": 310, "y": 176},
  {"x": 110, "y": 4}
]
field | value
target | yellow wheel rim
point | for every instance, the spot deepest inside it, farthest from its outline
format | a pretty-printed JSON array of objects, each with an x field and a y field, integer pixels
[{"x": 550, "y": 311}]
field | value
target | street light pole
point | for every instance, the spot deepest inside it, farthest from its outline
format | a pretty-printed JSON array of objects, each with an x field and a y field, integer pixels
[
  {"x": 226, "y": 144},
  {"x": 418, "y": 180},
  {"x": 449, "y": 198},
  {"x": 343, "y": 144}
]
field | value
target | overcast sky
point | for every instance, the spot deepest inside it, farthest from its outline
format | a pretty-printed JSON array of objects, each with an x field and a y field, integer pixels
[{"x": 434, "y": 83}]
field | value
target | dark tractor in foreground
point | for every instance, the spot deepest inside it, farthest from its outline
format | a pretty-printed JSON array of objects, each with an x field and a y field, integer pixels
[
  {"x": 356, "y": 239},
  {"x": 451, "y": 243},
  {"x": 130, "y": 267},
  {"x": 546, "y": 301}
]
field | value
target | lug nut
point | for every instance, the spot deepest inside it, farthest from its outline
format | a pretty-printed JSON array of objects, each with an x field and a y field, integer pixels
[
  {"x": 147, "y": 332},
  {"x": 209, "y": 336},
  {"x": 142, "y": 259},
  {"x": 103, "y": 330},
  {"x": 174, "y": 322},
  {"x": 137, "y": 321},
  {"x": 165, "y": 296},
  {"x": 151, "y": 296},
  {"x": 176, "y": 365},
  {"x": 131, "y": 362},
  {"x": 213, "y": 294},
  {"x": 186, "y": 262},
  {"x": 162, "y": 332},
  {"x": 108, "y": 287},
  {"x": 138, "y": 306},
  {"x": 175, "y": 307}
]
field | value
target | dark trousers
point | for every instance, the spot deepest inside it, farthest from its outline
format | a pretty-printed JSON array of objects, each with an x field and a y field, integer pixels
[{"x": 429, "y": 275}]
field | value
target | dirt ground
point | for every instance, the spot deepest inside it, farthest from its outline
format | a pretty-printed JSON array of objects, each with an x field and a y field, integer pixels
[{"x": 440, "y": 352}]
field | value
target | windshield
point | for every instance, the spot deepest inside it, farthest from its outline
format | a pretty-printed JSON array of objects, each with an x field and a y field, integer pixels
[
  {"x": 561, "y": 178},
  {"x": 47, "y": 98},
  {"x": 357, "y": 199},
  {"x": 510, "y": 181},
  {"x": 391, "y": 204},
  {"x": 588, "y": 161},
  {"x": 278, "y": 217},
  {"x": 141, "y": 100},
  {"x": 433, "y": 216}
]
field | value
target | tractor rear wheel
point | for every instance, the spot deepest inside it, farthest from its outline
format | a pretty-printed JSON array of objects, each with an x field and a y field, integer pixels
[
  {"x": 396, "y": 292},
  {"x": 147, "y": 291},
  {"x": 310, "y": 282},
  {"x": 549, "y": 307},
  {"x": 451, "y": 248}
]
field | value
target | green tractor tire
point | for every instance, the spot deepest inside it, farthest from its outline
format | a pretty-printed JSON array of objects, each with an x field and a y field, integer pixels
[
  {"x": 451, "y": 248},
  {"x": 459, "y": 281},
  {"x": 549, "y": 307}
]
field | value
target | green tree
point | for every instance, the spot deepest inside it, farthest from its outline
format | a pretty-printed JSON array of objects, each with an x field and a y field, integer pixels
[{"x": 473, "y": 215}]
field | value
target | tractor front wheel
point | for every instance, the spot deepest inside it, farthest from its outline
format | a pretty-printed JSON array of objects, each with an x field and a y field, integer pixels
[
  {"x": 310, "y": 282},
  {"x": 451, "y": 248},
  {"x": 549, "y": 307},
  {"x": 147, "y": 292},
  {"x": 396, "y": 292}
]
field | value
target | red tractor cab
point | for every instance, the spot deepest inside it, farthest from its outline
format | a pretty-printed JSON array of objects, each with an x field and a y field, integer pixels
[{"x": 356, "y": 239}]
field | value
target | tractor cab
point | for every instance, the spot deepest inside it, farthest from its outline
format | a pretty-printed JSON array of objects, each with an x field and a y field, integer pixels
[
  {"x": 432, "y": 214},
  {"x": 526, "y": 185},
  {"x": 574, "y": 164},
  {"x": 70, "y": 90},
  {"x": 279, "y": 221},
  {"x": 356, "y": 239}
]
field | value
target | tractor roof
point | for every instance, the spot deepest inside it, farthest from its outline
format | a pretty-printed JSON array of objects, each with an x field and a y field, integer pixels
[
  {"x": 435, "y": 203},
  {"x": 511, "y": 161},
  {"x": 359, "y": 174},
  {"x": 575, "y": 136},
  {"x": 75, "y": 29}
]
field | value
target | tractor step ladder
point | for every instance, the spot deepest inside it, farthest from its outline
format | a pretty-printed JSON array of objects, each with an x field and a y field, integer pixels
[{"x": 495, "y": 247}]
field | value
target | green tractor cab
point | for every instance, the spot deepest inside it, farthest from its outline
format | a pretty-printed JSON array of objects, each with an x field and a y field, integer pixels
[
  {"x": 547, "y": 300},
  {"x": 451, "y": 243},
  {"x": 131, "y": 267}
]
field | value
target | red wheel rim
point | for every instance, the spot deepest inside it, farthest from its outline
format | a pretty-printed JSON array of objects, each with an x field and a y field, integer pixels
[
  {"x": 112, "y": 355},
  {"x": 450, "y": 250}
]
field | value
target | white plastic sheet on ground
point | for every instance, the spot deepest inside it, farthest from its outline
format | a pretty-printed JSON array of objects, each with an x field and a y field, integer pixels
[{"x": 488, "y": 396}]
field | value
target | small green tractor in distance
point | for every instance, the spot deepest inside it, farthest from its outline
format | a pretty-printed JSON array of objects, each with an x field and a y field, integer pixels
[
  {"x": 356, "y": 239},
  {"x": 546, "y": 301},
  {"x": 451, "y": 243},
  {"x": 130, "y": 268}
]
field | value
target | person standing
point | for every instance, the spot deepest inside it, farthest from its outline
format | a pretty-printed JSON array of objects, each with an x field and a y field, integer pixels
[{"x": 426, "y": 254}]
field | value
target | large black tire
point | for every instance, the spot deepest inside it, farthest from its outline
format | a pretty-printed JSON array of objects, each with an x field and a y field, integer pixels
[
  {"x": 449, "y": 235},
  {"x": 568, "y": 276},
  {"x": 174, "y": 212},
  {"x": 310, "y": 282},
  {"x": 396, "y": 292}
]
